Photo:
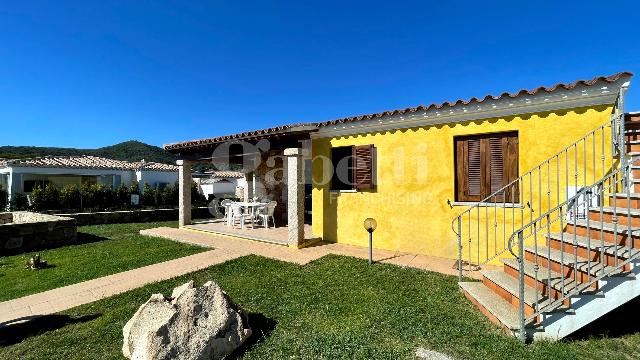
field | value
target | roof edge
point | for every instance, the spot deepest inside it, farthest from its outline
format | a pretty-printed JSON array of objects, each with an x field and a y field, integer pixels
[{"x": 444, "y": 106}]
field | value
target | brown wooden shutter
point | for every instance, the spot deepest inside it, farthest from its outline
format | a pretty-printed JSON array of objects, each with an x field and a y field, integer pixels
[
  {"x": 484, "y": 165},
  {"x": 510, "y": 155},
  {"x": 474, "y": 170},
  {"x": 363, "y": 167}
]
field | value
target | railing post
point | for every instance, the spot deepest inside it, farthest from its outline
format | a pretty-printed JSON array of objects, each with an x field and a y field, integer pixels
[
  {"x": 459, "y": 249},
  {"x": 523, "y": 332}
]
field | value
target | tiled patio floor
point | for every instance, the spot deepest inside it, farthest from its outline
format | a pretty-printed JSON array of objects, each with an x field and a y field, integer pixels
[{"x": 277, "y": 235}]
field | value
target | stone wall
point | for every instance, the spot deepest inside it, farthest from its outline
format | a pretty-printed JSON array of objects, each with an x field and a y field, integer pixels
[
  {"x": 129, "y": 216},
  {"x": 6, "y": 218},
  {"x": 32, "y": 231}
]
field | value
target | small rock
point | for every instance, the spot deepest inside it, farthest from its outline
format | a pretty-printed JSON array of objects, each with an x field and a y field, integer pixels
[
  {"x": 194, "y": 323},
  {"x": 423, "y": 353}
]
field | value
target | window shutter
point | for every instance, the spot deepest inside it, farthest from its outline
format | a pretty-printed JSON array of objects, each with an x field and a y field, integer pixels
[
  {"x": 484, "y": 165},
  {"x": 510, "y": 153},
  {"x": 474, "y": 171},
  {"x": 496, "y": 168},
  {"x": 363, "y": 167}
]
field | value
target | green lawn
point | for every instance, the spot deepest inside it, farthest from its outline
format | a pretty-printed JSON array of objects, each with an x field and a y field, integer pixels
[
  {"x": 336, "y": 307},
  {"x": 104, "y": 250}
]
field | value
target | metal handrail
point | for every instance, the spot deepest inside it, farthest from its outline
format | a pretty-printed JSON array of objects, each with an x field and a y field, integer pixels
[
  {"x": 618, "y": 177},
  {"x": 602, "y": 155}
]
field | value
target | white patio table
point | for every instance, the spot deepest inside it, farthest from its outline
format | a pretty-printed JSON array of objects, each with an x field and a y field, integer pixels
[{"x": 251, "y": 205}]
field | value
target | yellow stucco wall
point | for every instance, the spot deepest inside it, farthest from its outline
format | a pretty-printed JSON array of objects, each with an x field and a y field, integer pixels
[{"x": 415, "y": 178}]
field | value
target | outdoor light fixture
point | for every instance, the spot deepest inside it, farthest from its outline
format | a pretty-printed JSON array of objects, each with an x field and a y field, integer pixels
[{"x": 370, "y": 225}]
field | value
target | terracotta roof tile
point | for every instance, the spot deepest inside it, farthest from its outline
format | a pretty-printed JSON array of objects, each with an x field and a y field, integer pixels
[
  {"x": 447, "y": 104},
  {"x": 225, "y": 174},
  {"x": 242, "y": 135}
]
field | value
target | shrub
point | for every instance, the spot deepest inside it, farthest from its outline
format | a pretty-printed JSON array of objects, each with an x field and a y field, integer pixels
[
  {"x": 123, "y": 196},
  {"x": 3, "y": 198},
  {"x": 157, "y": 195},
  {"x": 169, "y": 196},
  {"x": 70, "y": 197},
  {"x": 90, "y": 195},
  {"x": 45, "y": 199},
  {"x": 196, "y": 197},
  {"x": 134, "y": 188},
  {"x": 19, "y": 202},
  {"x": 107, "y": 199},
  {"x": 148, "y": 197}
]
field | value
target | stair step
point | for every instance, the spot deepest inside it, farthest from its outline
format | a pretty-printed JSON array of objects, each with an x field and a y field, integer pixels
[
  {"x": 543, "y": 274},
  {"x": 605, "y": 226},
  {"x": 498, "y": 307},
  {"x": 569, "y": 260},
  {"x": 619, "y": 195},
  {"x": 620, "y": 251},
  {"x": 510, "y": 284},
  {"x": 618, "y": 209}
]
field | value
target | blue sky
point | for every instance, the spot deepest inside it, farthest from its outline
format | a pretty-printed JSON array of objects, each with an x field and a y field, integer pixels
[{"x": 89, "y": 74}]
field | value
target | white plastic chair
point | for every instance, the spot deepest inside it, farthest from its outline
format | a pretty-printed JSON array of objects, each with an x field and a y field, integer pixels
[
  {"x": 266, "y": 212},
  {"x": 226, "y": 203},
  {"x": 238, "y": 214}
]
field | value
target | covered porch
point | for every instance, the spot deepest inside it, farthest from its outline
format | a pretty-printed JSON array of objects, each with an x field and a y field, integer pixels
[
  {"x": 278, "y": 235},
  {"x": 276, "y": 164}
]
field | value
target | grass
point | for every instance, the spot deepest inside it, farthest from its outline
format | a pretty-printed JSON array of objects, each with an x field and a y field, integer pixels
[
  {"x": 333, "y": 308},
  {"x": 103, "y": 250}
]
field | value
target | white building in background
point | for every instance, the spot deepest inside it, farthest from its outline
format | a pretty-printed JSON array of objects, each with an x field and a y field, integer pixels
[
  {"x": 218, "y": 183},
  {"x": 22, "y": 175}
]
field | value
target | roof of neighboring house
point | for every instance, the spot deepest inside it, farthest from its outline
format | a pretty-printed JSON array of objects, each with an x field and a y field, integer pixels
[
  {"x": 308, "y": 127},
  {"x": 225, "y": 174},
  {"x": 214, "y": 181},
  {"x": 85, "y": 162}
]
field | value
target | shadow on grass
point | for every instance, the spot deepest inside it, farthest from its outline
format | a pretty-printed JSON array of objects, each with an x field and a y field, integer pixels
[
  {"x": 622, "y": 321},
  {"x": 85, "y": 238},
  {"x": 17, "y": 332},
  {"x": 261, "y": 327}
]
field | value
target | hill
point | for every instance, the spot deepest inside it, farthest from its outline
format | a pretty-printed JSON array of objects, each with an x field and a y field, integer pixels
[{"x": 128, "y": 150}]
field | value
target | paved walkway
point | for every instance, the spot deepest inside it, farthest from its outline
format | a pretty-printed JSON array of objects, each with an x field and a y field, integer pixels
[
  {"x": 224, "y": 248},
  {"x": 304, "y": 255},
  {"x": 56, "y": 300}
]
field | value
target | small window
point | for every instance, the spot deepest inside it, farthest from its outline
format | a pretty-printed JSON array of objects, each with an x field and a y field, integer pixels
[
  {"x": 485, "y": 164},
  {"x": 342, "y": 160},
  {"x": 353, "y": 168}
]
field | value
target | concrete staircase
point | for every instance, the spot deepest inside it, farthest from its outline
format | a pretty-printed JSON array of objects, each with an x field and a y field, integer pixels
[{"x": 560, "y": 272}]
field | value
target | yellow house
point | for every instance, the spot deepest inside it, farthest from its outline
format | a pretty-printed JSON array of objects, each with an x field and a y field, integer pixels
[
  {"x": 415, "y": 170},
  {"x": 432, "y": 163},
  {"x": 544, "y": 182}
]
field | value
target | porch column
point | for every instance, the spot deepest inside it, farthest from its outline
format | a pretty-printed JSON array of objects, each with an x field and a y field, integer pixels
[
  {"x": 184, "y": 193},
  {"x": 295, "y": 196}
]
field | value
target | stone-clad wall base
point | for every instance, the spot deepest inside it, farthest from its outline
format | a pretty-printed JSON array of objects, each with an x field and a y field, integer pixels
[
  {"x": 32, "y": 231},
  {"x": 6, "y": 218},
  {"x": 113, "y": 217}
]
